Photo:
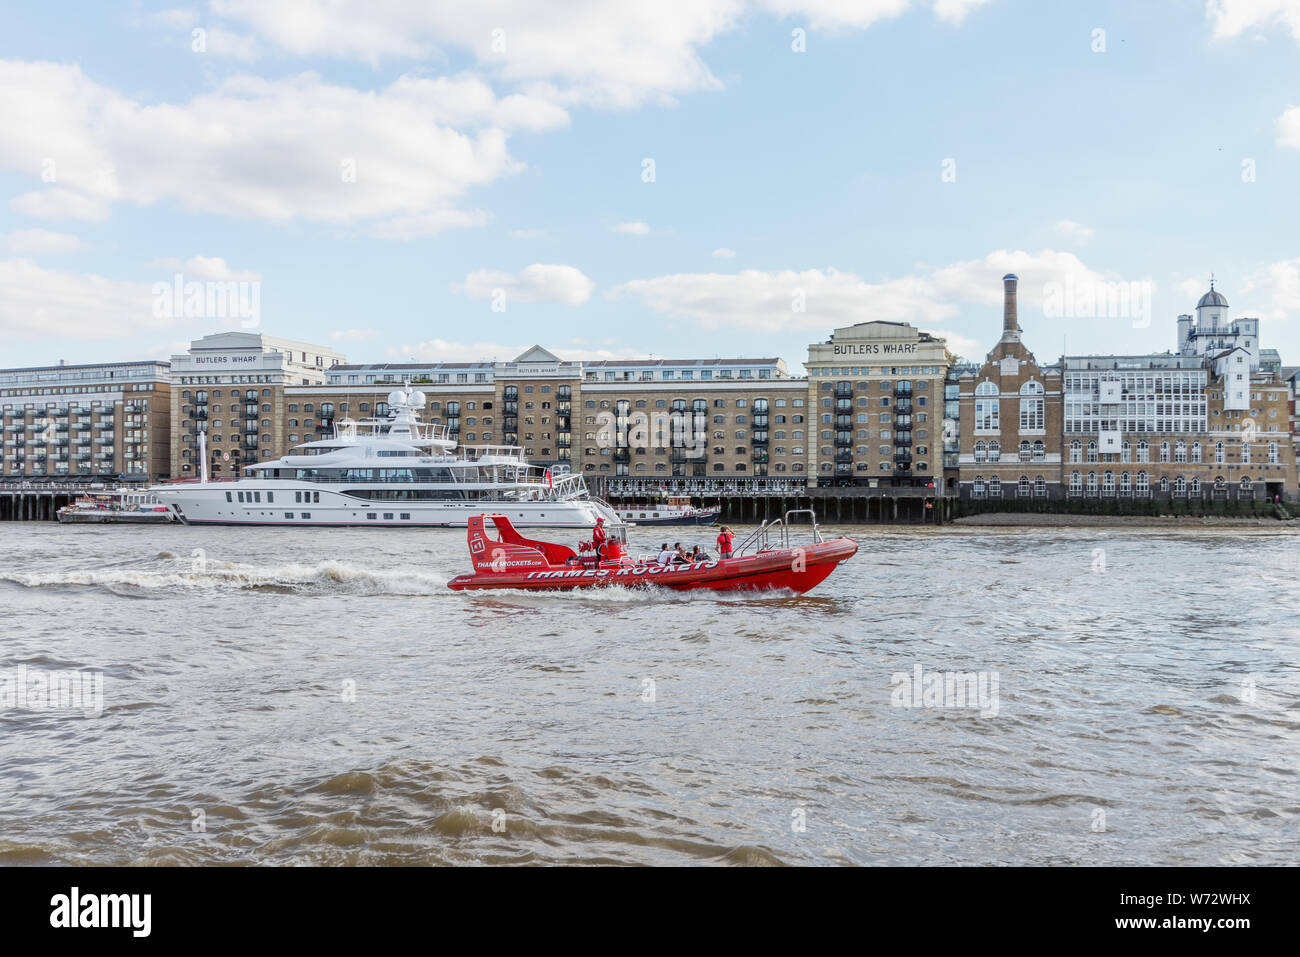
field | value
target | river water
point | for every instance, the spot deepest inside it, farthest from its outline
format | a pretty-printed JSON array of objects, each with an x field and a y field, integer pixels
[{"x": 318, "y": 696}]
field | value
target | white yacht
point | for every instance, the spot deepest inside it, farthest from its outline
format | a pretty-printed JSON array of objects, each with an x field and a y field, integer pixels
[{"x": 390, "y": 472}]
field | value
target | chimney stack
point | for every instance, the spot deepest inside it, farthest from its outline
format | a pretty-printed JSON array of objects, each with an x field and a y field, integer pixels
[{"x": 1010, "y": 321}]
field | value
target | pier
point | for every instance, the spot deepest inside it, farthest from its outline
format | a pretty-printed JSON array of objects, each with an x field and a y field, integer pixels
[{"x": 757, "y": 501}]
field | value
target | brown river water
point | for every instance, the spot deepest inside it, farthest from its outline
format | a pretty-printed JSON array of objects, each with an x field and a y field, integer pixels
[{"x": 318, "y": 696}]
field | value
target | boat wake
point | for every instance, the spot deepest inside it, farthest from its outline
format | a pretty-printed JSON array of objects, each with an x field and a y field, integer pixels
[{"x": 170, "y": 573}]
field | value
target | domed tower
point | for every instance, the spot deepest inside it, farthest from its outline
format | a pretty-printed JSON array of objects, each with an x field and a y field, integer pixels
[{"x": 1211, "y": 311}]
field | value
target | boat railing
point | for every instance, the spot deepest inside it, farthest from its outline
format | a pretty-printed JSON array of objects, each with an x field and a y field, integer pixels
[{"x": 761, "y": 538}]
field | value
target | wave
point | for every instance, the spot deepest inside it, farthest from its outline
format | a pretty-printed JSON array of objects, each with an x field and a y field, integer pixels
[{"x": 210, "y": 575}]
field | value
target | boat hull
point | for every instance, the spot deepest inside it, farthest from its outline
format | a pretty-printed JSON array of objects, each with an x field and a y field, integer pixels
[
  {"x": 285, "y": 503},
  {"x": 792, "y": 569}
]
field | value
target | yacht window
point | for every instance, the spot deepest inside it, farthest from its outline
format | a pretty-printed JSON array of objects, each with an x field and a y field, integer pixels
[
  {"x": 306, "y": 514},
  {"x": 227, "y": 496},
  {"x": 288, "y": 514},
  {"x": 371, "y": 515},
  {"x": 388, "y": 516},
  {"x": 406, "y": 516}
]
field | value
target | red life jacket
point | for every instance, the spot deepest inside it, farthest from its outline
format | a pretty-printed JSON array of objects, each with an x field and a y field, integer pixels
[
  {"x": 598, "y": 536},
  {"x": 724, "y": 541}
]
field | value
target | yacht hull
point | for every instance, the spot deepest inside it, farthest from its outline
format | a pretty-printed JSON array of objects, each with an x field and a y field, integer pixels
[{"x": 271, "y": 504}]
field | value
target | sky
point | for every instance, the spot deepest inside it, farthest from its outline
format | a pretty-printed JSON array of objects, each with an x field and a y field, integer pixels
[{"x": 684, "y": 179}]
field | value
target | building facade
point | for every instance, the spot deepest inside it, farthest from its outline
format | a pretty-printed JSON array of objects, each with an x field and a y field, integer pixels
[
  {"x": 70, "y": 423},
  {"x": 877, "y": 390},
  {"x": 1210, "y": 421},
  {"x": 231, "y": 387},
  {"x": 1010, "y": 418}
]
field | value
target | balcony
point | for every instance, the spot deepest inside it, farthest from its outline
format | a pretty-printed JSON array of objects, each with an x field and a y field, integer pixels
[
  {"x": 903, "y": 459},
  {"x": 844, "y": 457},
  {"x": 903, "y": 408},
  {"x": 104, "y": 440}
]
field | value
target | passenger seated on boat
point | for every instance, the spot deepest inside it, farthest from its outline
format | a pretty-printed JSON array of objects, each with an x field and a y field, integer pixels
[
  {"x": 699, "y": 555},
  {"x": 665, "y": 554},
  {"x": 680, "y": 557}
]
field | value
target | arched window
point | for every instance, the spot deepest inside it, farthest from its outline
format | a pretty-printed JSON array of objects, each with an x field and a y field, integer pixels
[
  {"x": 981, "y": 451},
  {"x": 995, "y": 487},
  {"x": 1143, "y": 484},
  {"x": 1108, "y": 484},
  {"x": 1076, "y": 451},
  {"x": 1245, "y": 453},
  {"x": 1092, "y": 451},
  {"x": 1031, "y": 407},
  {"x": 995, "y": 451},
  {"x": 1024, "y": 453},
  {"x": 1144, "y": 451},
  {"x": 1180, "y": 451},
  {"x": 1076, "y": 483},
  {"x": 986, "y": 407},
  {"x": 1125, "y": 451},
  {"x": 1164, "y": 451},
  {"x": 1125, "y": 484},
  {"x": 1040, "y": 450},
  {"x": 1040, "y": 487},
  {"x": 1196, "y": 451},
  {"x": 1092, "y": 483},
  {"x": 1023, "y": 488},
  {"x": 1195, "y": 487},
  {"x": 977, "y": 487},
  {"x": 1218, "y": 453},
  {"x": 1272, "y": 453},
  {"x": 1164, "y": 483},
  {"x": 1180, "y": 486}
]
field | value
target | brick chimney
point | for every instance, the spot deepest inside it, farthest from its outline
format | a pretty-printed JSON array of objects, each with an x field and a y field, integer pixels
[{"x": 1010, "y": 321}]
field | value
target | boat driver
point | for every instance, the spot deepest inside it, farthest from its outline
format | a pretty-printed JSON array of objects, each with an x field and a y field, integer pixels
[{"x": 598, "y": 538}]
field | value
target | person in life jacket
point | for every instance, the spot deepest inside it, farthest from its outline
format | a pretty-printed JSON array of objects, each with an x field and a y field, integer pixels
[
  {"x": 725, "y": 539},
  {"x": 598, "y": 538}
]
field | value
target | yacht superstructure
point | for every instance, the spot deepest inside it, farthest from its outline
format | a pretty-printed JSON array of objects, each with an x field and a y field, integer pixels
[{"x": 394, "y": 471}]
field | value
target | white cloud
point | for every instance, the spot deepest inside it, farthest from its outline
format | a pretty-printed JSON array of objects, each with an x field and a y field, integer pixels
[
  {"x": 43, "y": 303},
  {"x": 207, "y": 267},
  {"x": 724, "y": 253},
  {"x": 958, "y": 344},
  {"x": 1234, "y": 17},
  {"x": 35, "y": 242},
  {"x": 291, "y": 148},
  {"x": 610, "y": 54},
  {"x": 1273, "y": 291},
  {"x": 634, "y": 229},
  {"x": 58, "y": 203},
  {"x": 1077, "y": 232},
  {"x": 536, "y": 283},
  {"x": 769, "y": 301},
  {"x": 1288, "y": 128}
]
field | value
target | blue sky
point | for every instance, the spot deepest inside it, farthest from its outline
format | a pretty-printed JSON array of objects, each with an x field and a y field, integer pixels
[{"x": 894, "y": 169}]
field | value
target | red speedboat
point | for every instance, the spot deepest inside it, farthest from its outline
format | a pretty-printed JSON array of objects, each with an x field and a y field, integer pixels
[{"x": 509, "y": 560}]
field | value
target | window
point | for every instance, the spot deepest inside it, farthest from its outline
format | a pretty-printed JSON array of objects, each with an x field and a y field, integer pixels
[
  {"x": 981, "y": 451},
  {"x": 1076, "y": 483},
  {"x": 1143, "y": 484},
  {"x": 1031, "y": 407},
  {"x": 1164, "y": 451},
  {"x": 995, "y": 451},
  {"x": 1144, "y": 453},
  {"x": 977, "y": 487},
  {"x": 1040, "y": 487},
  {"x": 986, "y": 407},
  {"x": 1196, "y": 451},
  {"x": 995, "y": 487},
  {"x": 1076, "y": 451},
  {"x": 1023, "y": 488}
]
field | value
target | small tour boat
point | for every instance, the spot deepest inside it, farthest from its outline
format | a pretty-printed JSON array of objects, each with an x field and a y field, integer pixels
[
  {"x": 509, "y": 560},
  {"x": 677, "y": 510}
]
